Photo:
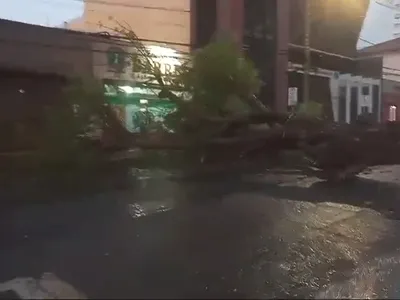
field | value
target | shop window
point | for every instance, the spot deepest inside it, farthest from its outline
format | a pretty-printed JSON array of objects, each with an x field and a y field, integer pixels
[
  {"x": 364, "y": 110},
  {"x": 392, "y": 113},
  {"x": 342, "y": 104},
  {"x": 376, "y": 101},
  {"x": 365, "y": 90},
  {"x": 353, "y": 103}
]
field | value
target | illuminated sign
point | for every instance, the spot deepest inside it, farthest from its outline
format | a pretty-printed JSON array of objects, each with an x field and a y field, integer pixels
[{"x": 165, "y": 59}]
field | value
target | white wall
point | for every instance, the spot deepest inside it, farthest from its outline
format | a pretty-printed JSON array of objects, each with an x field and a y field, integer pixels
[
  {"x": 391, "y": 66},
  {"x": 348, "y": 81}
]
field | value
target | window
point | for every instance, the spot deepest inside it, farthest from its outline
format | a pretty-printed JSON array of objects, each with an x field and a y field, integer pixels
[
  {"x": 354, "y": 93},
  {"x": 365, "y": 90},
  {"x": 364, "y": 110},
  {"x": 116, "y": 59},
  {"x": 376, "y": 101},
  {"x": 392, "y": 113},
  {"x": 342, "y": 104}
]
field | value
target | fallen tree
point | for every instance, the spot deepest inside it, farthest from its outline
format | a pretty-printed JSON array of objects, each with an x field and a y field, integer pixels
[
  {"x": 223, "y": 125},
  {"x": 338, "y": 151}
]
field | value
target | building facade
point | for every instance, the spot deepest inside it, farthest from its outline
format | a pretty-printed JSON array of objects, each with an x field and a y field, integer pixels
[
  {"x": 353, "y": 96},
  {"x": 270, "y": 31},
  {"x": 393, "y": 14},
  {"x": 183, "y": 25},
  {"x": 390, "y": 53},
  {"x": 396, "y": 18},
  {"x": 391, "y": 100},
  {"x": 152, "y": 20}
]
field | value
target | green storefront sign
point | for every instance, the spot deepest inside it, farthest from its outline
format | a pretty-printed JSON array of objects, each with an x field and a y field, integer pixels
[{"x": 141, "y": 106}]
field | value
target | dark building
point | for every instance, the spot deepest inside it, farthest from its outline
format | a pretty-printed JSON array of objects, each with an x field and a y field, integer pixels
[
  {"x": 272, "y": 34},
  {"x": 261, "y": 27},
  {"x": 259, "y": 39},
  {"x": 34, "y": 64},
  {"x": 333, "y": 44}
]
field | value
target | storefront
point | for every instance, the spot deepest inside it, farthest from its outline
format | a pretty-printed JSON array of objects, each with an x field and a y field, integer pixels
[
  {"x": 134, "y": 97},
  {"x": 138, "y": 107}
]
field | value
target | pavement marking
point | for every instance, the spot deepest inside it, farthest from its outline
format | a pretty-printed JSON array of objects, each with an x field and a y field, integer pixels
[{"x": 49, "y": 286}]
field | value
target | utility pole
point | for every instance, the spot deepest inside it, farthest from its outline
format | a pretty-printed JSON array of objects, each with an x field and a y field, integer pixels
[{"x": 307, "y": 55}]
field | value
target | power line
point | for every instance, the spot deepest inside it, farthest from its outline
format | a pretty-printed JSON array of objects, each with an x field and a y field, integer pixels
[
  {"x": 124, "y": 42},
  {"x": 168, "y": 9},
  {"x": 392, "y": 69},
  {"x": 77, "y": 48},
  {"x": 347, "y": 57},
  {"x": 127, "y": 40},
  {"x": 126, "y": 5},
  {"x": 366, "y": 41}
]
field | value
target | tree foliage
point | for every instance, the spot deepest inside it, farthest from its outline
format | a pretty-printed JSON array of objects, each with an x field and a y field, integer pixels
[
  {"x": 68, "y": 127},
  {"x": 215, "y": 81}
]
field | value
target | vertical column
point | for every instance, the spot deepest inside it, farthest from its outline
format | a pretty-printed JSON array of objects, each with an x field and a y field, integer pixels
[
  {"x": 223, "y": 16},
  {"x": 230, "y": 18},
  {"x": 237, "y": 20},
  {"x": 282, "y": 55},
  {"x": 193, "y": 24}
]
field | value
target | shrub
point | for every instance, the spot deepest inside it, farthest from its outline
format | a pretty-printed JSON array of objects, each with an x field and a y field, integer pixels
[{"x": 67, "y": 142}]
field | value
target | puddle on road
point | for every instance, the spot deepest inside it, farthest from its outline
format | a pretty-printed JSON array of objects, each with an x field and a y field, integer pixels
[
  {"x": 146, "y": 209},
  {"x": 321, "y": 242},
  {"x": 318, "y": 243},
  {"x": 146, "y": 174},
  {"x": 155, "y": 193}
]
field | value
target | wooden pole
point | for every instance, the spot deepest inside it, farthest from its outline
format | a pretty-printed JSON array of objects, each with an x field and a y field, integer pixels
[{"x": 307, "y": 53}]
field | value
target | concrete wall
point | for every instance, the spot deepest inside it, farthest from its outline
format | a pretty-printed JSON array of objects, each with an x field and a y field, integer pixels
[
  {"x": 390, "y": 97},
  {"x": 158, "y": 20},
  {"x": 101, "y": 68},
  {"x": 23, "y": 98},
  {"x": 391, "y": 66},
  {"x": 44, "y": 50},
  {"x": 341, "y": 94},
  {"x": 391, "y": 84}
]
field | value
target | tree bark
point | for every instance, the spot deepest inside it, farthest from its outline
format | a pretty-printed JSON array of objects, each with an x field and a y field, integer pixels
[{"x": 339, "y": 149}]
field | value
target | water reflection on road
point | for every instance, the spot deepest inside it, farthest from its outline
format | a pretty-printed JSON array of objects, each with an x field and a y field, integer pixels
[{"x": 257, "y": 237}]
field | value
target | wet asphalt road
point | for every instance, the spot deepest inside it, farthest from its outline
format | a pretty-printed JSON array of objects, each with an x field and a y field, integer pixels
[{"x": 258, "y": 237}]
